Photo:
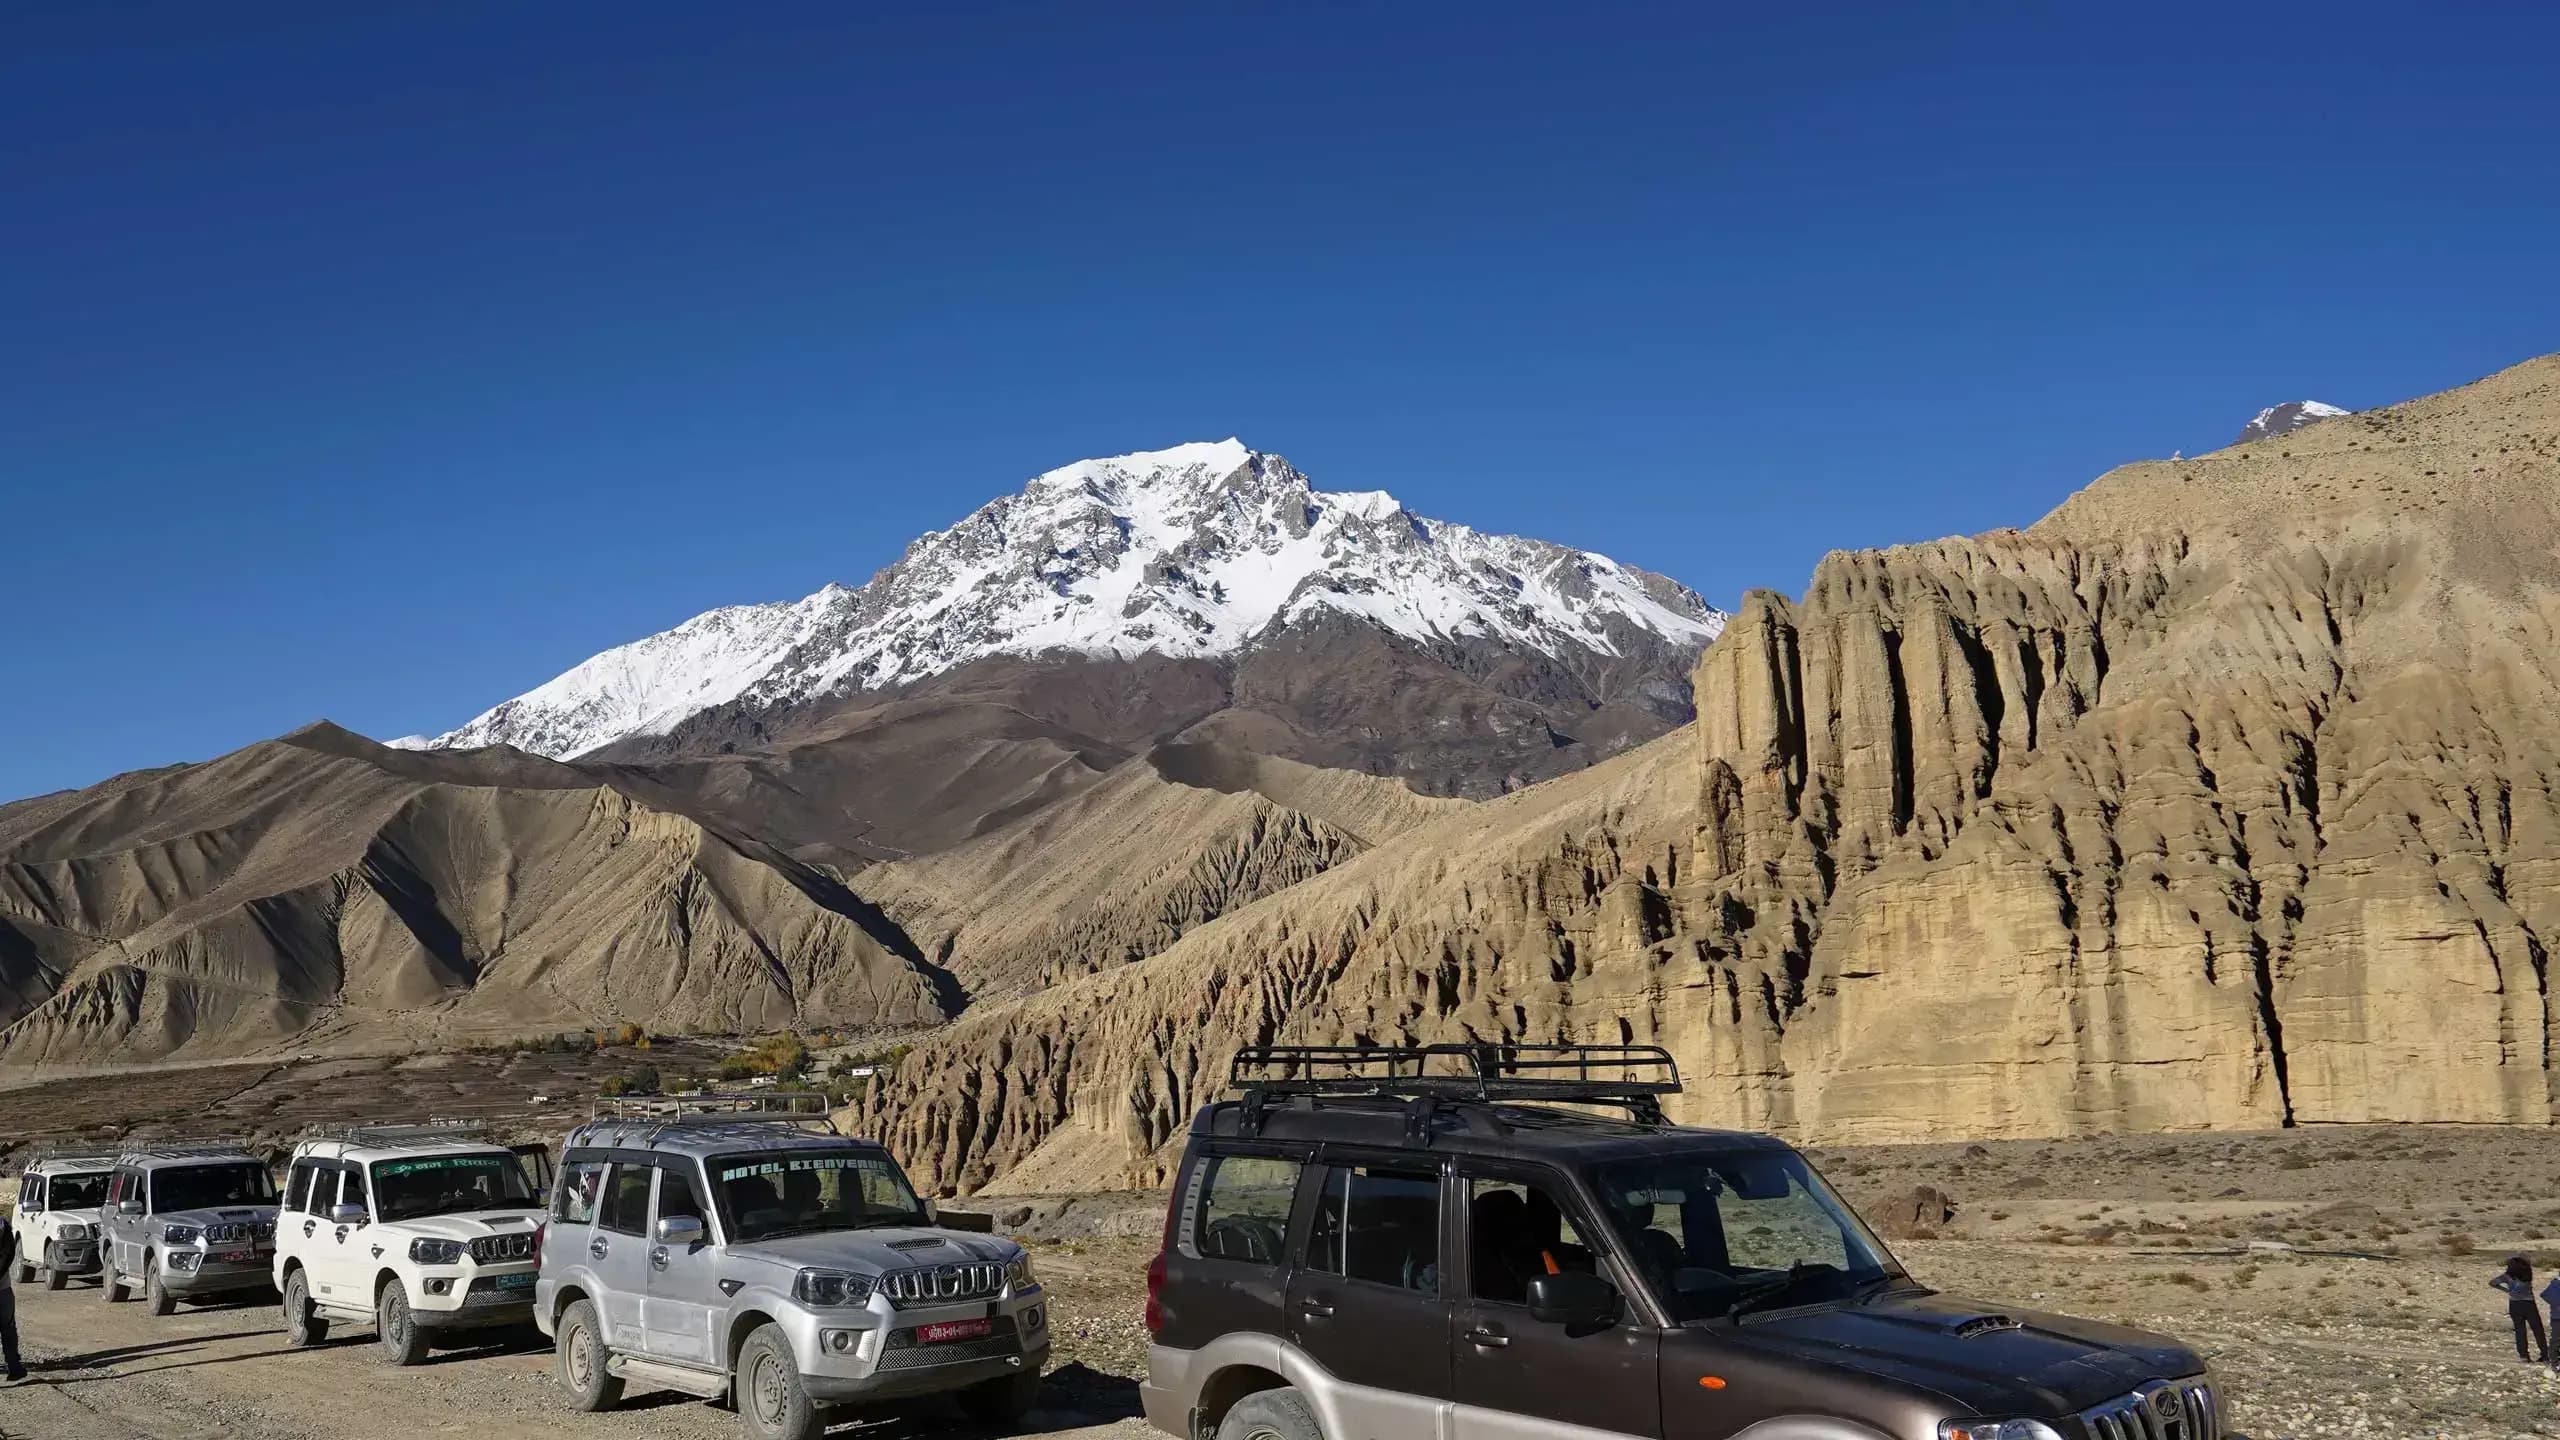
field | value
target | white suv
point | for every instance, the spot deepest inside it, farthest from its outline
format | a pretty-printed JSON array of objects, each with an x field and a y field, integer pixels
[
  {"x": 56, "y": 1219},
  {"x": 421, "y": 1230}
]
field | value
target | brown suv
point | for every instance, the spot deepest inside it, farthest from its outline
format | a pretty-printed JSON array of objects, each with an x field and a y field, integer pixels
[{"x": 1453, "y": 1243}]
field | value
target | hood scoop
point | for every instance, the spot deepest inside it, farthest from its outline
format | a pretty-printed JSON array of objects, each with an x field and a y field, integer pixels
[
  {"x": 927, "y": 1243},
  {"x": 1986, "y": 1325}
]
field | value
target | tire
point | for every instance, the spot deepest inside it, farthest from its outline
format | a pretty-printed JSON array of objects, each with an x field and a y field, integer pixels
[
  {"x": 772, "y": 1402},
  {"x": 1001, "y": 1402},
  {"x": 108, "y": 1285},
  {"x": 404, "y": 1340},
  {"x": 303, "y": 1328},
  {"x": 582, "y": 1360},
  {"x": 26, "y": 1271},
  {"x": 1281, "y": 1414},
  {"x": 54, "y": 1276},
  {"x": 155, "y": 1295}
]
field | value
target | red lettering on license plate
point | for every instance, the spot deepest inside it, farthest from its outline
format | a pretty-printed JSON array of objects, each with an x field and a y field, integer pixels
[
  {"x": 233, "y": 1257},
  {"x": 953, "y": 1330}
]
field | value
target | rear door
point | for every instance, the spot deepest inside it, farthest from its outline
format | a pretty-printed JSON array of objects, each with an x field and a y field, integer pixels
[
  {"x": 1365, "y": 1301},
  {"x": 683, "y": 1293},
  {"x": 1227, "y": 1271},
  {"x": 618, "y": 1253},
  {"x": 1516, "y": 1378}
]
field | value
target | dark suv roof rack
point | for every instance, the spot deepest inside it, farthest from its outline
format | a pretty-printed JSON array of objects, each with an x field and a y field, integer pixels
[{"x": 1633, "y": 1078}]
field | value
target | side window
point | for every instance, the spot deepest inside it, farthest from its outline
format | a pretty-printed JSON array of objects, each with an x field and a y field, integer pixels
[
  {"x": 31, "y": 1193},
  {"x": 1380, "y": 1225},
  {"x": 581, "y": 1182},
  {"x": 676, "y": 1197},
  {"x": 1515, "y": 1231},
  {"x": 626, "y": 1200},
  {"x": 297, "y": 1187},
  {"x": 1243, "y": 1209},
  {"x": 352, "y": 1190}
]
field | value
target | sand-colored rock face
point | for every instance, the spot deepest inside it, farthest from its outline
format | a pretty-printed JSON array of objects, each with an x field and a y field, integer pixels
[
  {"x": 2221, "y": 797},
  {"x": 324, "y": 891}
]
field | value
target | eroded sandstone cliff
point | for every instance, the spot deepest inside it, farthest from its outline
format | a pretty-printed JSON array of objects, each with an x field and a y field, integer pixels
[{"x": 2220, "y": 797}]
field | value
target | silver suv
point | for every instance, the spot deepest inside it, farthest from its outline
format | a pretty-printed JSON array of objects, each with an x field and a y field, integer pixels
[
  {"x": 188, "y": 1221},
  {"x": 777, "y": 1263}
]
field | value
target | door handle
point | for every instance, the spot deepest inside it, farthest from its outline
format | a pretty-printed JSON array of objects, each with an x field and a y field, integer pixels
[
  {"x": 658, "y": 1258},
  {"x": 1318, "y": 1309},
  {"x": 1488, "y": 1338},
  {"x": 596, "y": 1247}
]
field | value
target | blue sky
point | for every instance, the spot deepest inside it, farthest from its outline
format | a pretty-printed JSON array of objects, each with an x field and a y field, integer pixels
[{"x": 379, "y": 366}]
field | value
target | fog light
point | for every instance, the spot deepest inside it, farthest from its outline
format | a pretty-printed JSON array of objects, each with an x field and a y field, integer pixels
[
  {"x": 439, "y": 1287},
  {"x": 1032, "y": 1317},
  {"x": 182, "y": 1261},
  {"x": 840, "y": 1341}
]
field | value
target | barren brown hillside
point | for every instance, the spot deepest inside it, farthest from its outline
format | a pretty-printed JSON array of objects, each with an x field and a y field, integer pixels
[
  {"x": 2221, "y": 797},
  {"x": 323, "y": 890}
]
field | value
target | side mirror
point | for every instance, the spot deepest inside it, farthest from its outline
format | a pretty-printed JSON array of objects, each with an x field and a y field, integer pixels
[
  {"x": 128, "y": 1207},
  {"x": 679, "y": 1230},
  {"x": 1579, "y": 1302},
  {"x": 346, "y": 1214}
]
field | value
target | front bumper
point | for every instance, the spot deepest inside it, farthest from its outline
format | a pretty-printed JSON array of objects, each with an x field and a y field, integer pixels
[
  {"x": 475, "y": 1301},
  {"x": 218, "y": 1277},
  {"x": 71, "y": 1257},
  {"x": 887, "y": 1359}
]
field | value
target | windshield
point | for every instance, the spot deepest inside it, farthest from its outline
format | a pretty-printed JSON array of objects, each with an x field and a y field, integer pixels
[
  {"x": 205, "y": 1187},
  {"x": 448, "y": 1184},
  {"x": 1719, "y": 1232},
  {"x": 792, "y": 1192},
  {"x": 76, "y": 1192}
]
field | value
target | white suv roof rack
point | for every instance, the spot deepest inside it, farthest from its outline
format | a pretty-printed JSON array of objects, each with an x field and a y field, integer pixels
[{"x": 382, "y": 1136}]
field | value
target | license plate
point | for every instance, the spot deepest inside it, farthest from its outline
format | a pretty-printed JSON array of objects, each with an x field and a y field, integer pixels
[
  {"x": 516, "y": 1282},
  {"x": 954, "y": 1330},
  {"x": 235, "y": 1257}
]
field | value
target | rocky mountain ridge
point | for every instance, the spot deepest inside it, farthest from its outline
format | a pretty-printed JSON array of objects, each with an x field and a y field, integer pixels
[{"x": 1199, "y": 550}]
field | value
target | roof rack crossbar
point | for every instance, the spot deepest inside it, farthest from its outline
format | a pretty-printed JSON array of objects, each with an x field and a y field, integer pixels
[
  {"x": 715, "y": 1109},
  {"x": 404, "y": 1133},
  {"x": 1631, "y": 1077},
  {"x": 75, "y": 1150},
  {"x": 186, "y": 1145}
]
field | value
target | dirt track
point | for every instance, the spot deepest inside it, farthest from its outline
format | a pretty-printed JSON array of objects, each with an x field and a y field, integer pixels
[{"x": 222, "y": 1373}]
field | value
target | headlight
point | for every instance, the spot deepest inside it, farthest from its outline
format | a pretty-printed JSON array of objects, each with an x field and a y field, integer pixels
[
  {"x": 832, "y": 1287},
  {"x": 74, "y": 1230},
  {"x": 1018, "y": 1274},
  {"x": 180, "y": 1234},
  {"x": 436, "y": 1252},
  {"x": 1996, "y": 1430}
]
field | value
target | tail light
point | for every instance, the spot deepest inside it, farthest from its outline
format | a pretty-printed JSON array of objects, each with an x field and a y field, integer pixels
[
  {"x": 538, "y": 1227},
  {"x": 1156, "y": 1267},
  {"x": 1155, "y": 1295}
]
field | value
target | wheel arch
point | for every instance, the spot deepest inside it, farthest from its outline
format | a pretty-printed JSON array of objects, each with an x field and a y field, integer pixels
[
  {"x": 742, "y": 1326},
  {"x": 569, "y": 1293},
  {"x": 1230, "y": 1384}
]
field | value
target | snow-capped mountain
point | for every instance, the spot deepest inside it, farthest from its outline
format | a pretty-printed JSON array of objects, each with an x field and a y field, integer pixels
[
  {"x": 2286, "y": 418},
  {"x": 1199, "y": 550}
]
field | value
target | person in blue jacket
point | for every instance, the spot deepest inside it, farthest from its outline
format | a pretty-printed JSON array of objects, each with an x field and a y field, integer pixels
[{"x": 2522, "y": 1313}]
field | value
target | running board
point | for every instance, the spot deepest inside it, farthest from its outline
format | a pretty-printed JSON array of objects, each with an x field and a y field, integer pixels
[
  {"x": 336, "y": 1316},
  {"x": 706, "y": 1384}
]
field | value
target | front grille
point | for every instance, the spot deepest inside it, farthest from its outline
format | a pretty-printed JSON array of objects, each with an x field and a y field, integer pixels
[
  {"x": 498, "y": 1249},
  {"x": 901, "y": 1352},
  {"x": 230, "y": 1232},
  {"x": 2161, "y": 1410},
  {"x": 944, "y": 1284}
]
